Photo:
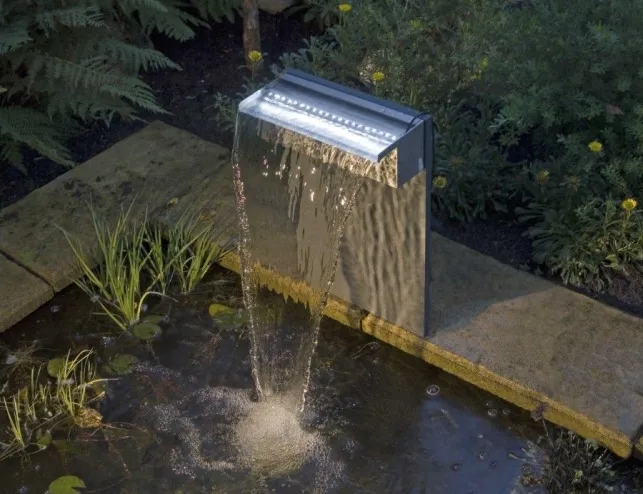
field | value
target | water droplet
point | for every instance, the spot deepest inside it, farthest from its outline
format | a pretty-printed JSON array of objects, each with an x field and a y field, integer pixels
[
  {"x": 493, "y": 464},
  {"x": 489, "y": 404},
  {"x": 506, "y": 412},
  {"x": 482, "y": 455},
  {"x": 433, "y": 390},
  {"x": 54, "y": 308},
  {"x": 480, "y": 436},
  {"x": 456, "y": 467},
  {"x": 492, "y": 412},
  {"x": 144, "y": 308}
]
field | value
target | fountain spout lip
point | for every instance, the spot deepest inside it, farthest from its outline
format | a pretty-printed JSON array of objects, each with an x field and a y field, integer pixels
[{"x": 351, "y": 120}]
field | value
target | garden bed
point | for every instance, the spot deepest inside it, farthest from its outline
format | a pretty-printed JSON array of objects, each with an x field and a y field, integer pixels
[{"x": 212, "y": 63}]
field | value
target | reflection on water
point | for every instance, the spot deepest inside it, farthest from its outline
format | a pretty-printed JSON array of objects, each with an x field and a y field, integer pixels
[
  {"x": 186, "y": 420},
  {"x": 292, "y": 204}
]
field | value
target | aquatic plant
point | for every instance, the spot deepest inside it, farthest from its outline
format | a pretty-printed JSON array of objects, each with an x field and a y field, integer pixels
[
  {"x": 44, "y": 404},
  {"x": 193, "y": 248},
  {"x": 116, "y": 285}
]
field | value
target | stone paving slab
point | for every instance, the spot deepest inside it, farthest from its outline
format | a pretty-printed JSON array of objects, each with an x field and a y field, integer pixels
[
  {"x": 148, "y": 169},
  {"x": 20, "y": 293}
]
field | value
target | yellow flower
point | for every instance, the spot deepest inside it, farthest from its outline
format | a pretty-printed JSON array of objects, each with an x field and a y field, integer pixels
[
  {"x": 378, "y": 76},
  {"x": 440, "y": 182},
  {"x": 254, "y": 56},
  {"x": 629, "y": 204},
  {"x": 542, "y": 176},
  {"x": 345, "y": 7},
  {"x": 595, "y": 146}
]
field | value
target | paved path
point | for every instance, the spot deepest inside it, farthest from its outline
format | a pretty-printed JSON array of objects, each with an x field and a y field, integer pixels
[{"x": 516, "y": 335}]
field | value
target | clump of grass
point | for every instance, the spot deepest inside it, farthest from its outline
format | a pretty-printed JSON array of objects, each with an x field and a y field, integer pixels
[
  {"x": 116, "y": 285},
  {"x": 192, "y": 249},
  {"x": 44, "y": 404}
]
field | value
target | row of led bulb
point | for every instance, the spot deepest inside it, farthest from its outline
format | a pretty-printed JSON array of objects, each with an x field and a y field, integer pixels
[{"x": 339, "y": 120}]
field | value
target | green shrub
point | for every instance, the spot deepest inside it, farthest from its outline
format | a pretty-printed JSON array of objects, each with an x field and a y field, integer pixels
[
  {"x": 67, "y": 62},
  {"x": 584, "y": 244},
  {"x": 471, "y": 176},
  {"x": 568, "y": 75}
]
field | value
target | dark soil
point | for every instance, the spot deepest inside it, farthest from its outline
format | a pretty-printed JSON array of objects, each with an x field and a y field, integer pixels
[{"x": 212, "y": 62}]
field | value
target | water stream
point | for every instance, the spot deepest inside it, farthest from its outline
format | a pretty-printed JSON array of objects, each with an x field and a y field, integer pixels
[{"x": 293, "y": 203}]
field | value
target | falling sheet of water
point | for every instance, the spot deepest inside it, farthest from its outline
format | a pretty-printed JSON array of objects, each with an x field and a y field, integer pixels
[{"x": 293, "y": 203}]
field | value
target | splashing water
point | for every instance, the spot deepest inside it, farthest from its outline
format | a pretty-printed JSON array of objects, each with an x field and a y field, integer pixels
[{"x": 294, "y": 196}]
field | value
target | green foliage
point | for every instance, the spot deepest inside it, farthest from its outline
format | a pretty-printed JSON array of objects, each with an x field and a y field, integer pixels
[
  {"x": 68, "y": 62},
  {"x": 476, "y": 172},
  {"x": 323, "y": 13},
  {"x": 583, "y": 244}
]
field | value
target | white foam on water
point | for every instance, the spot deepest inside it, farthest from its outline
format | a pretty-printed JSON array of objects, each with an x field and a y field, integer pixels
[{"x": 271, "y": 441}]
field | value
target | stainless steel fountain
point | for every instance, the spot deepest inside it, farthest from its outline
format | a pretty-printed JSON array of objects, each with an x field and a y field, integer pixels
[{"x": 384, "y": 253}]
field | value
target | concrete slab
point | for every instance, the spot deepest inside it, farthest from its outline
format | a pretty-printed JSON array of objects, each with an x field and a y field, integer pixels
[
  {"x": 151, "y": 167},
  {"x": 20, "y": 293}
]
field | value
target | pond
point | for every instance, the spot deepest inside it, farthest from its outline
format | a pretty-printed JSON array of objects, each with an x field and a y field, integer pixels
[{"x": 185, "y": 417}]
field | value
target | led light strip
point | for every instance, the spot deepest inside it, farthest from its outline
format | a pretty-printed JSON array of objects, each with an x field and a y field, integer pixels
[{"x": 344, "y": 123}]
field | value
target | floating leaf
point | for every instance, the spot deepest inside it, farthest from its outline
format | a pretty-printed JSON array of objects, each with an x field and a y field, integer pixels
[
  {"x": 44, "y": 439},
  {"x": 67, "y": 484},
  {"x": 227, "y": 317},
  {"x": 88, "y": 418},
  {"x": 172, "y": 202},
  {"x": 146, "y": 330},
  {"x": 121, "y": 364},
  {"x": 154, "y": 318},
  {"x": 216, "y": 310},
  {"x": 55, "y": 366}
]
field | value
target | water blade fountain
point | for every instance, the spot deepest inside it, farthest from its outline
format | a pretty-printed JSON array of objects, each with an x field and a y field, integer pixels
[{"x": 303, "y": 148}]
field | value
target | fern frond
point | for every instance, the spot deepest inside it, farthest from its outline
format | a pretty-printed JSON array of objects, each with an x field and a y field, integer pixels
[
  {"x": 175, "y": 23},
  {"x": 88, "y": 107},
  {"x": 131, "y": 6},
  {"x": 11, "y": 152},
  {"x": 135, "y": 91},
  {"x": 133, "y": 58},
  {"x": 36, "y": 130},
  {"x": 81, "y": 16},
  {"x": 13, "y": 36},
  {"x": 217, "y": 9}
]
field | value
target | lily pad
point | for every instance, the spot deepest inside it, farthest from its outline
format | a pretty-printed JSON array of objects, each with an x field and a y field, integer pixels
[
  {"x": 55, "y": 366},
  {"x": 67, "y": 484},
  {"x": 121, "y": 364},
  {"x": 44, "y": 439},
  {"x": 146, "y": 330},
  {"x": 227, "y": 317},
  {"x": 154, "y": 318},
  {"x": 216, "y": 310}
]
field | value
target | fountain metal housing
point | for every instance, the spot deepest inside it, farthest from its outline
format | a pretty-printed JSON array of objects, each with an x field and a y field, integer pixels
[{"x": 369, "y": 127}]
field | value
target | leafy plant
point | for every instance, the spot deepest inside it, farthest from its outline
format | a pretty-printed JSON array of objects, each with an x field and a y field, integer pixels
[
  {"x": 70, "y": 62},
  {"x": 323, "y": 13},
  {"x": 583, "y": 244},
  {"x": 193, "y": 247},
  {"x": 43, "y": 405},
  {"x": 117, "y": 284}
]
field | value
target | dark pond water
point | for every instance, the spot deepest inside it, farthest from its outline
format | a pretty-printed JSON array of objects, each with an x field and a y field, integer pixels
[{"x": 185, "y": 419}]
